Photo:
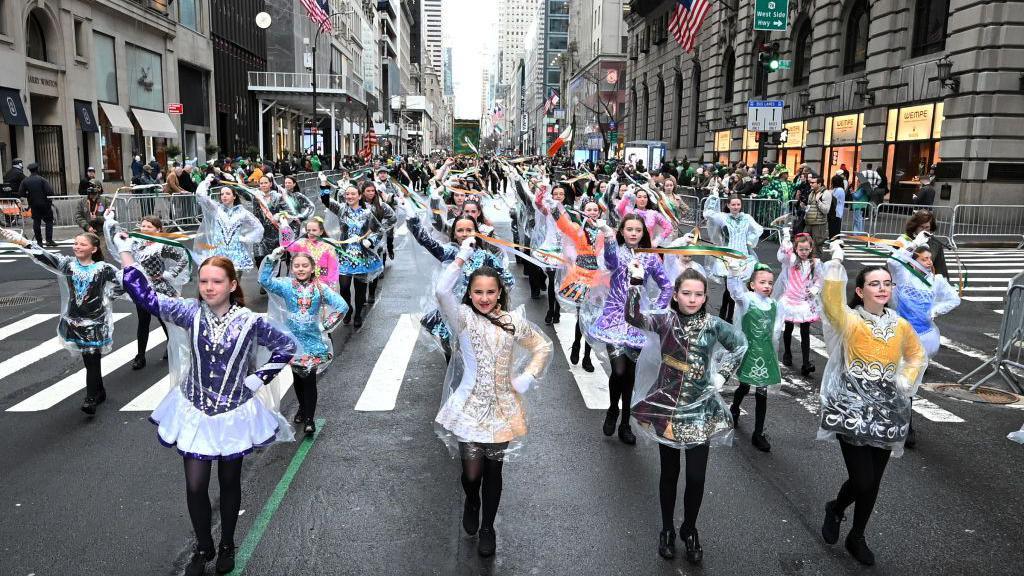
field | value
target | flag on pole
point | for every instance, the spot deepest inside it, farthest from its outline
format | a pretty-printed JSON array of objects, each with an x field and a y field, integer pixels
[
  {"x": 551, "y": 102},
  {"x": 564, "y": 137},
  {"x": 686, "y": 20},
  {"x": 318, "y": 11}
]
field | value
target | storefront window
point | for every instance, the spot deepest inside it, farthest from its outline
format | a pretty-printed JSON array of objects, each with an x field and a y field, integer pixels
[
  {"x": 843, "y": 135},
  {"x": 145, "y": 78},
  {"x": 188, "y": 15},
  {"x": 912, "y": 147},
  {"x": 110, "y": 150},
  {"x": 792, "y": 153},
  {"x": 105, "y": 66},
  {"x": 749, "y": 147},
  {"x": 723, "y": 141}
]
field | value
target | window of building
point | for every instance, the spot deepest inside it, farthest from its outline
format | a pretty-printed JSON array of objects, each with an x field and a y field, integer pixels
[
  {"x": 553, "y": 77},
  {"x": 636, "y": 113},
  {"x": 80, "y": 49},
  {"x": 645, "y": 117},
  {"x": 677, "y": 118},
  {"x": 558, "y": 42},
  {"x": 930, "y": 18},
  {"x": 695, "y": 106},
  {"x": 35, "y": 43},
  {"x": 188, "y": 14},
  {"x": 659, "y": 115},
  {"x": 145, "y": 78},
  {"x": 855, "y": 56},
  {"x": 558, "y": 26},
  {"x": 624, "y": 44},
  {"x": 105, "y": 67},
  {"x": 3, "y": 17},
  {"x": 802, "y": 55},
  {"x": 728, "y": 76}
]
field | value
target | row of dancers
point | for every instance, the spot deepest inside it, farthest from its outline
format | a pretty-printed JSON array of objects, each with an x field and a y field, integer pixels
[{"x": 668, "y": 357}]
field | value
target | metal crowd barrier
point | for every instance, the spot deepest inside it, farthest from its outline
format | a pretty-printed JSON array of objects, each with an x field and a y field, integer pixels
[
  {"x": 858, "y": 217},
  {"x": 890, "y": 220},
  {"x": 692, "y": 217},
  {"x": 988, "y": 222},
  {"x": 1010, "y": 349}
]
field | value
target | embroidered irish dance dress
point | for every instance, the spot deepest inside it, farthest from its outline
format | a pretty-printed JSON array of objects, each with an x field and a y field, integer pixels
[
  {"x": 357, "y": 224},
  {"x": 324, "y": 255},
  {"x": 798, "y": 283},
  {"x": 226, "y": 231},
  {"x": 760, "y": 319},
  {"x": 740, "y": 232}
]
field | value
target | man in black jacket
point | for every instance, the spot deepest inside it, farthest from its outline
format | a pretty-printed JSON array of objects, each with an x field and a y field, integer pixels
[
  {"x": 38, "y": 191},
  {"x": 85, "y": 185},
  {"x": 13, "y": 178}
]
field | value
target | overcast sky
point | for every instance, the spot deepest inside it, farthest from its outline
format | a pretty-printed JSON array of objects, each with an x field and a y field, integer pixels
[{"x": 471, "y": 27}]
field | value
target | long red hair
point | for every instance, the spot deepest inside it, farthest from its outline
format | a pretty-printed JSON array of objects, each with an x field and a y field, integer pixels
[{"x": 225, "y": 264}]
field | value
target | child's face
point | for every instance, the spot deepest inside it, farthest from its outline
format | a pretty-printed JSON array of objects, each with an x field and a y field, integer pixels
[
  {"x": 690, "y": 296},
  {"x": 803, "y": 250},
  {"x": 763, "y": 282}
]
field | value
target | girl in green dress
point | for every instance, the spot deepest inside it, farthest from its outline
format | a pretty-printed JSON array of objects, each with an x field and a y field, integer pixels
[{"x": 760, "y": 318}]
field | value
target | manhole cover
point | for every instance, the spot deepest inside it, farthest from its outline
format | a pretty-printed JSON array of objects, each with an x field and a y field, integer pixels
[
  {"x": 981, "y": 394},
  {"x": 9, "y": 301}
]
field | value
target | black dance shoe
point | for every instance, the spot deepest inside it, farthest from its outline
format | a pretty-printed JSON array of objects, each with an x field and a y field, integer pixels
[
  {"x": 587, "y": 365},
  {"x": 52, "y": 244},
  {"x": 556, "y": 317},
  {"x": 667, "y": 544},
  {"x": 534, "y": 294},
  {"x": 487, "y": 542},
  {"x": 694, "y": 553},
  {"x": 830, "y": 527},
  {"x": 626, "y": 434},
  {"x": 470, "y": 517},
  {"x": 225, "y": 559},
  {"x": 735, "y": 411},
  {"x": 357, "y": 323},
  {"x": 760, "y": 441},
  {"x": 299, "y": 417},
  {"x": 787, "y": 359},
  {"x": 549, "y": 318},
  {"x": 806, "y": 370},
  {"x": 263, "y": 291},
  {"x": 138, "y": 363},
  {"x": 858, "y": 548},
  {"x": 91, "y": 402},
  {"x": 310, "y": 428},
  {"x": 574, "y": 354},
  {"x": 197, "y": 564},
  {"x": 347, "y": 319},
  {"x": 610, "y": 419}
]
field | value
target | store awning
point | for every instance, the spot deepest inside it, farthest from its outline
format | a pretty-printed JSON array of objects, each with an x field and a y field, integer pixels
[
  {"x": 13, "y": 110},
  {"x": 86, "y": 120},
  {"x": 155, "y": 124},
  {"x": 117, "y": 118}
]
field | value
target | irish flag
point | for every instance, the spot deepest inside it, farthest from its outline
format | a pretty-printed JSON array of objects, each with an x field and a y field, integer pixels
[{"x": 564, "y": 137}]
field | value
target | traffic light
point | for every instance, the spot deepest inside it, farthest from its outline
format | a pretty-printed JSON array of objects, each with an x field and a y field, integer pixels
[{"x": 769, "y": 57}]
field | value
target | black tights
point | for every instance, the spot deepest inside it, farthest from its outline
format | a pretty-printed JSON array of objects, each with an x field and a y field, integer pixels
[
  {"x": 482, "y": 475},
  {"x": 579, "y": 336},
  {"x": 142, "y": 332},
  {"x": 197, "y": 488},
  {"x": 553, "y": 306},
  {"x": 805, "y": 340},
  {"x": 865, "y": 466},
  {"x": 93, "y": 375},
  {"x": 620, "y": 383},
  {"x": 760, "y": 403},
  {"x": 727, "y": 308},
  {"x": 305, "y": 392},
  {"x": 693, "y": 494},
  {"x": 346, "y": 293}
]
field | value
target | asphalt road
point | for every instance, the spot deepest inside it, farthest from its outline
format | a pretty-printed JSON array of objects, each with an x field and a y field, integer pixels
[{"x": 377, "y": 492}]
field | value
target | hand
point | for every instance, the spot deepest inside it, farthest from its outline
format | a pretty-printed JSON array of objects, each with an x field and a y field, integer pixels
[
  {"x": 283, "y": 221},
  {"x": 253, "y": 382},
  {"x": 636, "y": 269},
  {"x": 523, "y": 382},
  {"x": 277, "y": 254},
  {"x": 91, "y": 230},
  {"x": 13, "y": 237},
  {"x": 366, "y": 243},
  {"x": 110, "y": 214},
  {"x": 814, "y": 291},
  {"x": 836, "y": 247},
  {"x": 122, "y": 243},
  {"x": 210, "y": 179},
  {"x": 921, "y": 239},
  {"x": 718, "y": 381},
  {"x": 122, "y": 235},
  {"x": 486, "y": 230},
  {"x": 786, "y": 234},
  {"x": 687, "y": 239},
  {"x": 601, "y": 223}
]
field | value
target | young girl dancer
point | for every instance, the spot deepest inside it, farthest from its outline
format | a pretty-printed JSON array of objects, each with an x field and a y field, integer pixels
[
  {"x": 624, "y": 341},
  {"x": 227, "y": 228},
  {"x": 760, "y": 317},
  {"x": 86, "y": 325},
  {"x": 482, "y": 416},
  {"x": 323, "y": 254},
  {"x": 547, "y": 247},
  {"x": 384, "y": 214},
  {"x": 358, "y": 260},
  {"x": 312, "y": 311},
  {"x": 798, "y": 288},
  {"x": 639, "y": 202},
  {"x": 874, "y": 366},
  {"x": 735, "y": 230},
  {"x": 166, "y": 266},
  {"x": 214, "y": 413},
  {"x": 588, "y": 241},
  {"x": 678, "y": 402}
]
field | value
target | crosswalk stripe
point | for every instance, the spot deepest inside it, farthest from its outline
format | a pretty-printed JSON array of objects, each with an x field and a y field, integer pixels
[
  {"x": 33, "y": 355},
  {"x": 970, "y": 288},
  {"x": 150, "y": 399},
  {"x": 934, "y": 412},
  {"x": 963, "y": 349},
  {"x": 23, "y": 324},
  {"x": 983, "y": 298},
  {"x": 56, "y": 393},
  {"x": 6, "y": 261},
  {"x": 381, "y": 390},
  {"x": 593, "y": 385}
]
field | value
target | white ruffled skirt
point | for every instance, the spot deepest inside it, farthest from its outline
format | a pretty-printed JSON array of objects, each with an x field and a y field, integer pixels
[{"x": 224, "y": 436}]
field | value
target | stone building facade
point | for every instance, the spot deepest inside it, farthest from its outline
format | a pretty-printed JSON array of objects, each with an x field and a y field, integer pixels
[{"x": 902, "y": 85}]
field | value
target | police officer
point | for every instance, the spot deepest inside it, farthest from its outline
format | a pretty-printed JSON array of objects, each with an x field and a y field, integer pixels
[{"x": 38, "y": 192}]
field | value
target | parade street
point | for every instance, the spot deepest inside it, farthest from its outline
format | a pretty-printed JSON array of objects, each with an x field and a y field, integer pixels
[{"x": 375, "y": 491}]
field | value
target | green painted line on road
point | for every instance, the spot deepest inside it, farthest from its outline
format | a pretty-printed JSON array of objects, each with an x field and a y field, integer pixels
[{"x": 252, "y": 539}]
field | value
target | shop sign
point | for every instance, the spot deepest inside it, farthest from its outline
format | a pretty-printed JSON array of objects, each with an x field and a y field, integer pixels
[
  {"x": 749, "y": 140},
  {"x": 795, "y": 135},
  {"x": 844, "y": 130},
  {"x": 915, "y": 123},
  {"x": 722, "y": 141}
]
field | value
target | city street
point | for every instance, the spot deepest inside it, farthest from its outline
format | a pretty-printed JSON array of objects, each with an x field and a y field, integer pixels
[{"x": 376, "y": 492}]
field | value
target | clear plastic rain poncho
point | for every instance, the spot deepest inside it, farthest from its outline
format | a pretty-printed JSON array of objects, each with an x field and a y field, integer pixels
[
  {"x": 583, "y": 249},
  {"x": 229, "y": 231},
  {"x": 479, "y": 404},
  {"x": 919, "y": 296},
  {"x": 86, "y": 309},
  {"x": 225, "y": 394},
  {"x": 738, "y": 232},
  {"x": 166, "y": 263},
  {"x": 875, "y": 364},
  {"x": 685, "y": 361},
  {"x": 798, "y": 285},
  {"x": 351, "y": 226},
  {"x": 761, "y": 320}
]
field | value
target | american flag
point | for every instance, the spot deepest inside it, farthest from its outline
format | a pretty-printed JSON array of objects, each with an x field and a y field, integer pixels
[
  {"x": 686, "y": 20},
  {"x": 318, "y": 11}
]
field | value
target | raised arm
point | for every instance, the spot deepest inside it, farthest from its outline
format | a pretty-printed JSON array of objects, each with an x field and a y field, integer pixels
[
  {"x": 447, "y": 304},
  {"x": 946, "y": 298},
  {"x": 423, "y": 238},
  {"x": 652, "y": 322},
  {"x": 276, "y": 286},
  {"x": 656, "y": 270},
  {"x": 180, "y": 311},
  {"x": 833, "y": 296}
]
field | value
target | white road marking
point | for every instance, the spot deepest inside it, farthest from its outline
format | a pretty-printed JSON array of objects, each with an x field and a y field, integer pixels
[
  {"x": 985, "y": 298},
  {"x": 593, "y": 385},
  {"x": 56, "y": 393},
  {"x": 933, "y": 412},
  {"x": 150, "y": 399},
  {"x": 23, "y": 324},
  {"x": 964, "y": 349},
  {"x": 381, "y": 390},
  {"x": 33, "y": 355},
  {"x": 970, "y": 288}
]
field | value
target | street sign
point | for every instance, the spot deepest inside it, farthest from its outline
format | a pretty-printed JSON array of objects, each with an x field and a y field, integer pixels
[
  {"x": 764, "y": 115},
  {"x": 613, "y": 137},
  {"x": 785, "y": 64},
  {"x": 771, "y": 15},
  {"x": 612, "y": 125},
  {"x": 175, "y": 108}
]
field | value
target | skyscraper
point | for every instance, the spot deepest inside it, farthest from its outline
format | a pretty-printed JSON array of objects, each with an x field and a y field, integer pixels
[
  {"x": 514, "y": 18},
  {"x": 449, "y": 88},
  {"x": 433, "y": 31}
]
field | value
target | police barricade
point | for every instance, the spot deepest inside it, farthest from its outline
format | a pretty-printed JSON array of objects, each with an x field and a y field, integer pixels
[
  {"x": 1009, "y": 353},
  {"x": 763, "y": 210},
  {"x": 11, "y": 212},
  {"x": 988, "y": 222},
  {"x": 132, "y": 208},
  {"x": 857, "y": 216},
  {"x": 890, "y": 220}
]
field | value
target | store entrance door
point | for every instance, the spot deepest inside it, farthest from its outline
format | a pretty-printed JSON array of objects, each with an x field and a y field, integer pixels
[
  {"x": 49, "y": 149},
  {"x": 911, "y": 161}
]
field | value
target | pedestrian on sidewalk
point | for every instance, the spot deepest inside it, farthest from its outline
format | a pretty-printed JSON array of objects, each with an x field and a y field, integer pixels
[
  {"x": 86, "y": 324},
  {"x": 875, "y": 364},
  {"x": 38, "y": 191},
  {"x": 482, "y": 418}
]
